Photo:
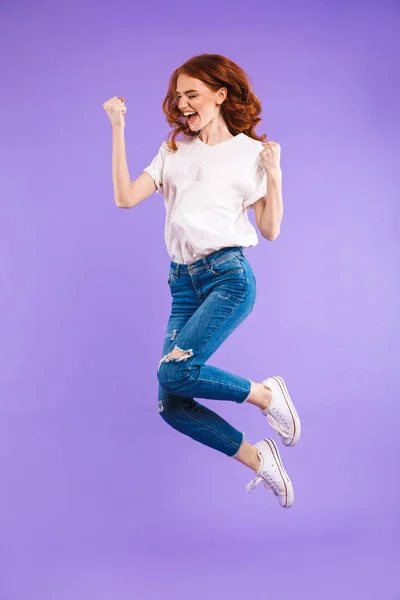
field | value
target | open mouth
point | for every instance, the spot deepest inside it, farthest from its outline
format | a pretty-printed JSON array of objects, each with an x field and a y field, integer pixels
[{"x": 191, "y": 117}]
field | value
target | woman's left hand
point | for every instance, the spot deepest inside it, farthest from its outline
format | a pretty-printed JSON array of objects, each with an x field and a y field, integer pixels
[{"x": 271, "y": 157}]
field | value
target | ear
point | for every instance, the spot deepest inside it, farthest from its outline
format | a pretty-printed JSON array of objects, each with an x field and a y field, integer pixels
[{"x": 221, "y": 95}]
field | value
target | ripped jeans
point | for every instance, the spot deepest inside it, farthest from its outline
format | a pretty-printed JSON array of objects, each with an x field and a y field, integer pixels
[{"x": 210, "y": 298}]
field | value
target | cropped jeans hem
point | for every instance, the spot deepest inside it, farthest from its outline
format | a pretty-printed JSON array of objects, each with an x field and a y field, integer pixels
[{"x": 239, "y": 447}]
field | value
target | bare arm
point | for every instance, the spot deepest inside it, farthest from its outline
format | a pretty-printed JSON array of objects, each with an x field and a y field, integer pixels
[
  {"x": 127, "y": 194},
  {"x": 271, "y": 215},
  {"x": 269, "y": 209}
]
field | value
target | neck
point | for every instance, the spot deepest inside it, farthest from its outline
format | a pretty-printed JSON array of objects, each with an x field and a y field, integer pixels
[{"x": 215, "y": 132}]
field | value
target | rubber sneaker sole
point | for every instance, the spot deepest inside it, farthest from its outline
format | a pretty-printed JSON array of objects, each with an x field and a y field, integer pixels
[{"x": 292, "y": 440}]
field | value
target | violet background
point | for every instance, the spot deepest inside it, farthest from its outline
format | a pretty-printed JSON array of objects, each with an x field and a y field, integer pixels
[{"x": 99, "y": 497}]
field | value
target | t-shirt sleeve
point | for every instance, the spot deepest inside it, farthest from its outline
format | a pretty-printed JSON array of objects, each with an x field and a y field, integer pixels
[
  {"x": 156, "y": 168},
  {"x": 259, "y": 188}
]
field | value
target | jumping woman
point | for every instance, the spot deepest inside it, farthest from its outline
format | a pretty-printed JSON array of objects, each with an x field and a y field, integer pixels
[{"x": 216, "y": 171}]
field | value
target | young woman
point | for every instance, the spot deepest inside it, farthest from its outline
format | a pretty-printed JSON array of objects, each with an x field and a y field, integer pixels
[{"x": 210, "y": 177}]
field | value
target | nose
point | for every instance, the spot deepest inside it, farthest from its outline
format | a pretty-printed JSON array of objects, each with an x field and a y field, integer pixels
[{"x": 182, "y": 105}]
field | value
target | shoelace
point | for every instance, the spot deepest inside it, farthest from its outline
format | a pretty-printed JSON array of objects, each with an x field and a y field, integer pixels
[
  {"x": 279, "y": 419},
  {"x": 269, "y": 484}
]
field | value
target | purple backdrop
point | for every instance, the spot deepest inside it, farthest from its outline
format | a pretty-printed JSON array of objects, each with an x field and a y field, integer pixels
[{"x": 100, "y": 499}]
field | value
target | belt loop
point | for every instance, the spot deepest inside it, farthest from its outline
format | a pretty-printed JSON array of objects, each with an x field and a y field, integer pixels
[
  {"x": 242, "y": 251},
  {"x": 207, "y": 261}
]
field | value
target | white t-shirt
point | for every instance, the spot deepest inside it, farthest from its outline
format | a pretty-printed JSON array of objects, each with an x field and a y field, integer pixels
[{"x": 207, "y": 190}]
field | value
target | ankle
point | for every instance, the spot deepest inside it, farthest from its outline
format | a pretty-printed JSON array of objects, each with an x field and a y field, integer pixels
[
  {"x": 249, "y": 456},
  {"x": 260, "y": 396},
  {"x": 268, "y": 396},
  {"x": 257, "y": 461}
]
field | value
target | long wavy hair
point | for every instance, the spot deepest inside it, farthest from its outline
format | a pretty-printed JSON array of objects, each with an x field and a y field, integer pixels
[{"x": 240, "y": 110}]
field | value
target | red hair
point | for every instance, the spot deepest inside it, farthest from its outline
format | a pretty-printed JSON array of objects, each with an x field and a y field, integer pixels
[{"x": 240, "y": 109}]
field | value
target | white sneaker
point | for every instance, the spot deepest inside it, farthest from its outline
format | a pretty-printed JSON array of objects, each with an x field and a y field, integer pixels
[
  {"x": 281, "y": 413},
  {"x": 272, "y": 473}
]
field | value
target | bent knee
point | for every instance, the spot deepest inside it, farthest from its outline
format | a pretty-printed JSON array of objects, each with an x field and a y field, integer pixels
[
  {"x": 169, "y": 410},
  {"x": 172, "y": 369},
  {"x": 174, "y": 409}
]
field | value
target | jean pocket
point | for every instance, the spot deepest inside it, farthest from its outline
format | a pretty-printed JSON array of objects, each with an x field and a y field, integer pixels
[
  {"x": 228, "y": 265},
  {"x": 171, "y": 277}
]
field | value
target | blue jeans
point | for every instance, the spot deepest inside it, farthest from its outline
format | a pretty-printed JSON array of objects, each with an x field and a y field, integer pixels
[{"x": 210, "y": 298}]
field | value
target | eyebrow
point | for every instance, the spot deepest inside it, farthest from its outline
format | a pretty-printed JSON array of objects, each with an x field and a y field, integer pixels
[{"x": 187, "y": 92}]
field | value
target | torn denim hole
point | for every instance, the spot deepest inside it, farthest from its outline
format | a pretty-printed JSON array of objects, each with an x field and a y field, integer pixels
[
  {"x": 168, "y": 358},
  {"x": 174, "y": 334},
  {"x": 160, "y": 406}
]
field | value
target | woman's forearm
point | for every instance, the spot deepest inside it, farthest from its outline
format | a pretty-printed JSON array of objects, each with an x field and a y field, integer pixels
[
  {"x": 271, "y": 216},
  {"x": 120, "y": 171}
]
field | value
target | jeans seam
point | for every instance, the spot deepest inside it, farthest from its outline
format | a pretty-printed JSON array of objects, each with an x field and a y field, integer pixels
[
  {"x": 227, "y": 316},
  {"x": 203, "y": 380},
  {"x": 215, "y": 330},
  {"x": 214, "y": 431},
  {"x": 223, "y": 259},
  {"x": 240, "y": 445}
]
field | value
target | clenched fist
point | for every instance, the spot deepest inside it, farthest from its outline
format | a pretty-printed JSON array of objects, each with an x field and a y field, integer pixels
[
  {"x": 116, "y": 109},
  {"x": 271, "y": 157}
]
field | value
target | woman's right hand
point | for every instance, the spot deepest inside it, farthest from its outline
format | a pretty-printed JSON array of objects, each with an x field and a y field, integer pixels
[{"x": 116, "y": 109}]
